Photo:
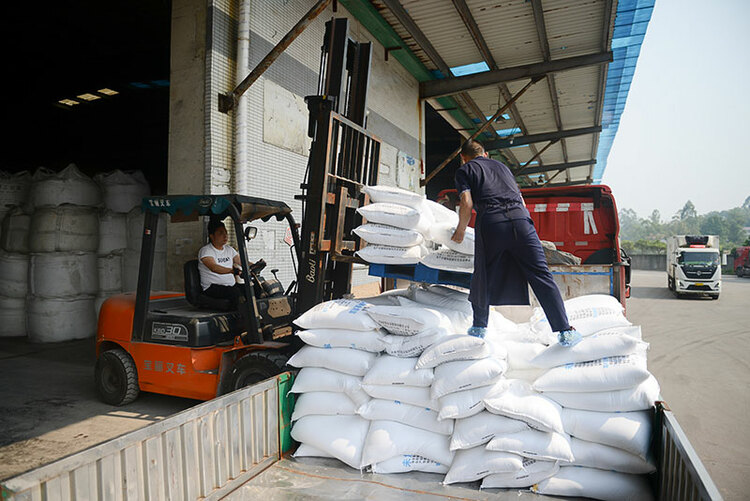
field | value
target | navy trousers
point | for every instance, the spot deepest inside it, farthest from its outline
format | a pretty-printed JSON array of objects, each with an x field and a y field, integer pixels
[{"x": 506, "y": 245}]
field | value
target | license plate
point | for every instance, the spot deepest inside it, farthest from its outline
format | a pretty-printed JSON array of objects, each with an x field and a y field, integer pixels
[{"x": 699, "y": 283}]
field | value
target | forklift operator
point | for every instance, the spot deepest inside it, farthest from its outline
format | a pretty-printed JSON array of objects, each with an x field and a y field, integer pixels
[
  {"x": 218, "y": 263},
  {"x": 508, "y": 256}
]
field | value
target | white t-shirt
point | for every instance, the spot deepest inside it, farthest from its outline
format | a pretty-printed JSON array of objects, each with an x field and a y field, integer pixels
[{"x": 223, "y": 257}]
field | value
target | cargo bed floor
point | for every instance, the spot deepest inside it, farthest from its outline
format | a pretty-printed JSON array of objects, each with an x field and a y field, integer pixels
[{"x": 318, "y": 478}]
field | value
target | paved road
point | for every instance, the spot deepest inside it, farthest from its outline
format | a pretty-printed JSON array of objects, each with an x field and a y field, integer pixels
[{"x": 700, "y": 353}]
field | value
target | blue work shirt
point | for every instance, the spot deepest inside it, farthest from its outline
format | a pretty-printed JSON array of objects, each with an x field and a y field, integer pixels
[{"x": 493, "y": 188}]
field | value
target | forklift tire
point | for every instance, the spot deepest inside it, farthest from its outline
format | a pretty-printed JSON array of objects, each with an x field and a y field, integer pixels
[
  {"x": 116, "y": 377},
  {"x": 254, "y": 368}
]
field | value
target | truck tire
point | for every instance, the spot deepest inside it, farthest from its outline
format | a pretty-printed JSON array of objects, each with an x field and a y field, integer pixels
[
  {"x": 116, "y": 377},
  {"x": 670, "y": 283},
  {"x": 714, "y": 296},
  {"x": 254, "y": 368},
  {"x": 739, "y": 271}
]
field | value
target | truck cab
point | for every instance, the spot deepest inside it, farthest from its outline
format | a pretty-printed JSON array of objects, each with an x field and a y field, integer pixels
[{"x": 693, "y": 265}]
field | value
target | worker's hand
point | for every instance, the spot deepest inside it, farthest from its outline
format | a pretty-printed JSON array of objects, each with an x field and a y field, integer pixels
[{"x": 458, "y": 235}]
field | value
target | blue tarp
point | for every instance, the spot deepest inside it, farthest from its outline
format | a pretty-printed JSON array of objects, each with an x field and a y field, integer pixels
[{"x": 631, "y": 21}]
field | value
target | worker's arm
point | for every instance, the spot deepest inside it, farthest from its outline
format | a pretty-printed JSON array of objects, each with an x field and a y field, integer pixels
[
  {"x": 237, "y": 262},
  {"x": 465, "y": 206},
  {"x": 216, "y": 268}
]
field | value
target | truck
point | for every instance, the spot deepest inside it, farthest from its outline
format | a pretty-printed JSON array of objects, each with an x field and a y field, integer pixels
[
  {"x": 742, "y": 261},
  {"x": 693, "y": 265}
]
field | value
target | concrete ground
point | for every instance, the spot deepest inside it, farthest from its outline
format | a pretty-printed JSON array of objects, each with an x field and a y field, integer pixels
[{"x": 699, "y": 353}]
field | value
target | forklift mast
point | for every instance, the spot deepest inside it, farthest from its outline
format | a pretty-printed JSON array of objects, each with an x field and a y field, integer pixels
[{"x": 344, "y": 157}]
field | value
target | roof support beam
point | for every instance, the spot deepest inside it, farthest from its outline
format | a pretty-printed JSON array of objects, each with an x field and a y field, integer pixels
[
  {"x": 536, "y": 155},
  {"x": 558, "y": 167},
  {"x": 455, "y": 85},
  {"x": 538, "y": 138}
]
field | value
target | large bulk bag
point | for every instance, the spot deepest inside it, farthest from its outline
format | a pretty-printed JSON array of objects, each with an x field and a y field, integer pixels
[
  {"x": 65, "y": 228},
  {"x": 63, "y": 274},
  {"x": 14, "y": 189},
  {"x": 51, "y": 320},
  {"x": 14, "y": 274},
  {"x": 113, "y": 232},
  {"x": 109, "y": 270},
  {"x": 122, "y": 191},
  {"x": 130, "y": 269},
  {"x": 135, "y": 221},
  {"x": 69, "y": 186},
  {"x": 12, "y": 316},
  {"x": 14, "y": 231}
]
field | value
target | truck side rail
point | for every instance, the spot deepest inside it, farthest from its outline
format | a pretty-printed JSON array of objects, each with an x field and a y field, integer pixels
[
  {"x": 203, "y": 452},
  {"x": 681, "y": 474}
]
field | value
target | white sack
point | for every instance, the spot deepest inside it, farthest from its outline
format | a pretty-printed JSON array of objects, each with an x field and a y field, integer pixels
[
  {"x": 413, "y": 346},
  {"x": 390, "y": 370},
  {"x": 342, "y": 437},
  {"x": 440, "y": 213},
  {"x": 354, "y": 362},
  {"x": 323, "y": 403},
  {"x": 606, "y": 374},
  {"x": 527, "y": 375},
  {"x": 405, "y": 463},
  {"x": 516, "y": 399},
  {"x": 395, "y": 410},
  {"x": 311, "y": 379},
  {"x": 449, "y": 260},
  {"x": 459, "y": 321},
  {"x": 400, "y": 216},
  {"x": 629, "y": 431},
  {"x": 388, "y": 254},
  {"x": 534, "y": 444},
  {"x": 387, "y": 439},
  {"x": 641, "y": 397},
  {"x": 438, "y": 297},
  {"x": 337, "y": 314},
  {"x": 442, "y": 233},
  {"x": 382, "y": 234},
  {"x": 391, "y": 194},
  {"x": 466, "y": 374},
  {"x": 306, "y": 450},
  {"x": 408, "y": 321},
  {"x": 588, "y": 314},
  {"x": 575, "y": 481},
  {"x": 481, "y": 428},
  {"x": 532, "y": 472},
  {"x": 14, "y": 274},
  {"x": 344, "y": 338},
  {"x": 113, "y": 233},
  {"x": 122, "y": 190},
  {"x": 607, "y": 343},
  {"x": 414, "y": 395},
  {"x": 606, "y": 457},
  {"x": 476, "y": 463},
  {"x": 522, "y": 356},
  {"x": 463, "y": 404},
  {"x": 451, "y": 348},
  {"x": 69, "y": 186}
]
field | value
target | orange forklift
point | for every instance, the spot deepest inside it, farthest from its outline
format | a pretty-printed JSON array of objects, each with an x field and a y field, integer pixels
[{"x": 190, "y": 345}]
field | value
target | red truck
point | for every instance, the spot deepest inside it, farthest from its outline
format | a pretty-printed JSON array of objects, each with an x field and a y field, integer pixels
[
  {"x": 583, "y": 221},
  {"x": 742, "y": 261}
]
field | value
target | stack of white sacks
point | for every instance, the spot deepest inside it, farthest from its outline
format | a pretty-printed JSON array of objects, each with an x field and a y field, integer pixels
[
  {"x": 393, "y": 385},
  {"x": 403, "y": 227}
]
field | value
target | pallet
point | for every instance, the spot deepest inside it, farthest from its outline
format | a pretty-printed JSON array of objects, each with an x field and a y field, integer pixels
[{"x": 420, "y": 273}]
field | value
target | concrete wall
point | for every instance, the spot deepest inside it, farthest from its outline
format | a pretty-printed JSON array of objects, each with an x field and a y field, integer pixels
[{"x": 656, "y": 262}]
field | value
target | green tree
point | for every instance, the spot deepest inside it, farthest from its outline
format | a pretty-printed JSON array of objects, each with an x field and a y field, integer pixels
[{"x": 687, "y": 211}]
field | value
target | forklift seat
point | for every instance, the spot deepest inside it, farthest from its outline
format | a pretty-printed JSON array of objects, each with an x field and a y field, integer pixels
[{"x": 194, "y": 292}]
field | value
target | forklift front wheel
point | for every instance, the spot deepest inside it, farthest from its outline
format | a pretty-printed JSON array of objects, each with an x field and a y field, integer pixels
[
  {"x": 255, "y": 367},
  {"x": 116, "y": 377}
]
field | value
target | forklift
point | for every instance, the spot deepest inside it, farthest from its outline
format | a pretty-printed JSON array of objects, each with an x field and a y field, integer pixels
[{"x": 189, "y": 345}]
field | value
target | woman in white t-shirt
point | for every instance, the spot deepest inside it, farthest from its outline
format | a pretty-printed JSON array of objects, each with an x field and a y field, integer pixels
[{"x": 218, "y": 263}]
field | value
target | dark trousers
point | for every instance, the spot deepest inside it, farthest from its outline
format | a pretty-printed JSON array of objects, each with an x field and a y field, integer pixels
[
  {"x": 519, "y": 238},
  {"x": 231, "y": 292}
]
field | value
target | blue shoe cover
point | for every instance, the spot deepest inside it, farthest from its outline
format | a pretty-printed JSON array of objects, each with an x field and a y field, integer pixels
[
  {"x": 477, "y": 331},
  {"x": 568, "y": 338}
]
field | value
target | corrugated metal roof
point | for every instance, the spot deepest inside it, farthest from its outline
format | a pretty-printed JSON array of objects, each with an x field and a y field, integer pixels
[{"x": 511, "y": 31}]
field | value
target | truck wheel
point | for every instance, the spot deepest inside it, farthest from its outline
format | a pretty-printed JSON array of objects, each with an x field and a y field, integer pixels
[
  {"x": 738, "y": 271},
  {"x": 670, "y": 283},
  {"x": 254, "y": 368},
  {"x": 116, "y": 377},
  {"x": 714, "y": 296}
]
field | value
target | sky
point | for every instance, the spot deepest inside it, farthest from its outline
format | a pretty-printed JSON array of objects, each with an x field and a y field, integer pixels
[{"x": 685, "y": 131}]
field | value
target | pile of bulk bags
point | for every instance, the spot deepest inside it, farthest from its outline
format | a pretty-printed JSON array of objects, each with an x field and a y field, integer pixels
[
  {"x": 403, "y": 227},
  {"x": 391, "y": 384}
]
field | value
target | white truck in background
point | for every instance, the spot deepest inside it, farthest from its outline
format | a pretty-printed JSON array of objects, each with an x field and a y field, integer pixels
[{"x": 693, "y": 265}]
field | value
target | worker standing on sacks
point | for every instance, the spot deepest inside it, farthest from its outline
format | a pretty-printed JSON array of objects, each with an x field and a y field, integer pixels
[{"x": 508, "y": 255}]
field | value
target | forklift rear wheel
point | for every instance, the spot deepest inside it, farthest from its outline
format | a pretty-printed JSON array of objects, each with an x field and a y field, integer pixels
[
  {"x": 256, "y": 367},
  {"x": 116, "y": 377}
]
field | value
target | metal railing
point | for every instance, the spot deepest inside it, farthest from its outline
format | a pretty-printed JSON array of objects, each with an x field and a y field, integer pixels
[{"x": 203, "y": 452}]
